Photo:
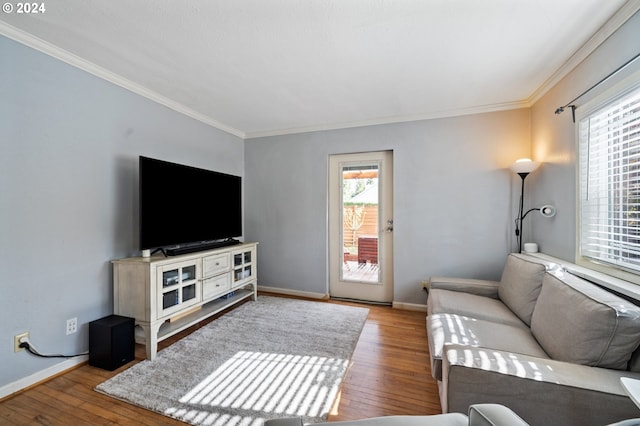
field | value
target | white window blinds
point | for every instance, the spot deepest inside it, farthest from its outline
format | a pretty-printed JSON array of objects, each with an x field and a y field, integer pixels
[{"x": 609, "y": 176}]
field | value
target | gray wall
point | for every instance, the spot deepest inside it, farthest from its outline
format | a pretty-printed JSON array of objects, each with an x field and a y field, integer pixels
[
  {"x": 68, "y": 194},
  {"x": 453, "y": 198},
  {"x": 554, "y": 140}
]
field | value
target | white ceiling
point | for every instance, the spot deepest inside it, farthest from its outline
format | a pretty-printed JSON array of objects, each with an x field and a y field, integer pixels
[{"x": 265, "y": 67}]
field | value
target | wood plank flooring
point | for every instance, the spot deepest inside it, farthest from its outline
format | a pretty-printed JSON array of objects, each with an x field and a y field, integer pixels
[{"x": 389, "y": 375}]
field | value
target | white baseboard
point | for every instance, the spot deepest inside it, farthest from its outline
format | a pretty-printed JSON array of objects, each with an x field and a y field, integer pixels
[
  {"x": 289, "y": 292},
  {"x": 324, "y": 296},
  {"x": 409, "y": 306},
  {"x": 41, "y": 376}
]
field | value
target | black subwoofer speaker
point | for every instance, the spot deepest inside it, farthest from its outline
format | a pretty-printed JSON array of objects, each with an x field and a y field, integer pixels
[{"x": 111, "y": 342}]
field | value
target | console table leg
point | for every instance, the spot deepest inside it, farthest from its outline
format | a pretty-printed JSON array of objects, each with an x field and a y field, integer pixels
[{"x": 151, "y": 339}]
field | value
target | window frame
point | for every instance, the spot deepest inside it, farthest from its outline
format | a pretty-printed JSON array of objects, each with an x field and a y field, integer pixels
[{"x": 620, "y": 90}]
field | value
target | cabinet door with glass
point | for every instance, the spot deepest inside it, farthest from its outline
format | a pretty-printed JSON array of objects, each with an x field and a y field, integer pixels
[
  {"x": 178, "y": 286},
  {"x": 244, "y": 266}
]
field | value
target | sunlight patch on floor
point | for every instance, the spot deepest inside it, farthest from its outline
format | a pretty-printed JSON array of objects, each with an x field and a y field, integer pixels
[{"x": 281, "y": 384}]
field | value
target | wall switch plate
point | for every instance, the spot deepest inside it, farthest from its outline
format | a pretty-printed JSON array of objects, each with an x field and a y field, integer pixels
[
  {"x": 72, "y": 325},
  {"x": 16, "y": 341}
]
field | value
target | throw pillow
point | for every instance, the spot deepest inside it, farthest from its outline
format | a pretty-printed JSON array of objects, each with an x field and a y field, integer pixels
[{"x": 577, "y": 321}]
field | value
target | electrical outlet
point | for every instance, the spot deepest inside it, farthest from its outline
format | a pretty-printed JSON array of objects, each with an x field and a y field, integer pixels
[
  {"x": 16, "y": 341},
  {"x": 72, "y": 325}
]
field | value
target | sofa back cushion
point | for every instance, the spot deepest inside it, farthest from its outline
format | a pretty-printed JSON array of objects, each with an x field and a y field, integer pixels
[
  {"x": 634, "y": 362},
  {"x": 579, "y": 322},
  {"x": 520, "y": 285}
]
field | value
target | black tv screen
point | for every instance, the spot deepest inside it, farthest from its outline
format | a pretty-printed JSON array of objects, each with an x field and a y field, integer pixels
[{"x": 181, "y": 204}]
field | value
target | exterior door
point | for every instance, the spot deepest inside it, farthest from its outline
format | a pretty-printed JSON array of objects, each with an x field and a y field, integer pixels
[{"x": 361, "y": 226}]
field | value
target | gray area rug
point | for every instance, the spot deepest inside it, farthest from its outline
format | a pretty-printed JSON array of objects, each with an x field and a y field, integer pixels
[{"x": 271, "y": 358}]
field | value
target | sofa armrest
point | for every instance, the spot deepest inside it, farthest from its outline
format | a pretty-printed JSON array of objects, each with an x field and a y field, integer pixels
[
  {"x": 541, "y": 391},
  {"x": 485, "y": 288},
  {"x": 493, "y": 414}
]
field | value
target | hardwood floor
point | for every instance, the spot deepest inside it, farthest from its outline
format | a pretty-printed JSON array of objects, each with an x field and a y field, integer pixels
[{"x": 389, "y": 375}]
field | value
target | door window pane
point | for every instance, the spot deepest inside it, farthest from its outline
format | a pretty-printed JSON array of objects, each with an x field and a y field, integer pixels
[{"x": 360, "y": 230}]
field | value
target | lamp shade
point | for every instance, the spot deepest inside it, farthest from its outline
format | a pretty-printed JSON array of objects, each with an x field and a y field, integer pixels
[
  {"x": 524, "y": 165},
  {"x": 548, "y": 210}
]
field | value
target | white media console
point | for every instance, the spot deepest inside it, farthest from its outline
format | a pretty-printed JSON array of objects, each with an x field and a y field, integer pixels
[{"x": 165, "y": 295}]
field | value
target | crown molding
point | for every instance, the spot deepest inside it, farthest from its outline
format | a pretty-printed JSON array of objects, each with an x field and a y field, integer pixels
[
  {"x": 392, "y": 120},
  {"x": 47, "y": 48},
  {"x": 612, "y": 25}
]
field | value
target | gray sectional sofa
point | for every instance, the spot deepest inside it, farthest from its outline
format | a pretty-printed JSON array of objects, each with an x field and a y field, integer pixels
[{"x": 547, "y": 344}]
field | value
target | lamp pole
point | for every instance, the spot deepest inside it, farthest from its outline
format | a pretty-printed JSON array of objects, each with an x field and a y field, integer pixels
[
  {"x": 519, "y": 230},
  {"x": 522, "y": 167}
]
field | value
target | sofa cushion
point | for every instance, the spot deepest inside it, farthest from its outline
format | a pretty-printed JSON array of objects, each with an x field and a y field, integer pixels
[
  {"x": 471, "y": 305},
  {"x": 457, "y": 329},
  {"x": 577, "y": 321},
  {"x": 520, "y": 285}
]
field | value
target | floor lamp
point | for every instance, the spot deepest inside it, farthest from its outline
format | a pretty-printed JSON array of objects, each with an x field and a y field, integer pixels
[{"x": 522, "y": 167}]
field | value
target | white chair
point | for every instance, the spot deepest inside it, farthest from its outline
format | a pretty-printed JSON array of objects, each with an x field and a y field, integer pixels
[{"x": 479, "y": 415}]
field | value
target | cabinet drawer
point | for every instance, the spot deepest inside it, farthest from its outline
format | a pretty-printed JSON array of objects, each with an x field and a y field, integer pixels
[
  {"x": 212, "y": 265},
  {"x": 214, "y": 286}
]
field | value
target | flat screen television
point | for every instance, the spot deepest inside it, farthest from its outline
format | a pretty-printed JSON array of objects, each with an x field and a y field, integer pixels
[{"x": 184, "y": 208}]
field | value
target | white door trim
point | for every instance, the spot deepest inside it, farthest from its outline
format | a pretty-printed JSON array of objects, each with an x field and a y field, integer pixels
[{"x": 381, "y": 291}]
